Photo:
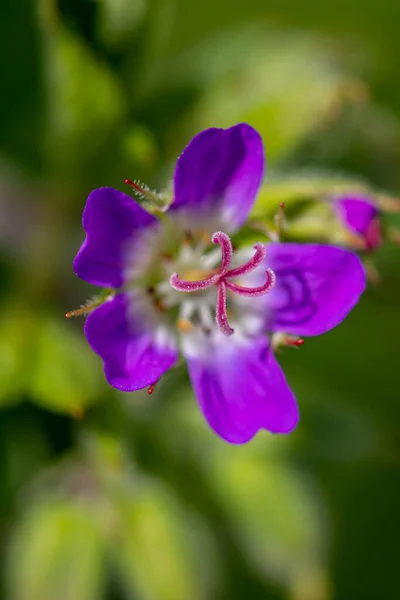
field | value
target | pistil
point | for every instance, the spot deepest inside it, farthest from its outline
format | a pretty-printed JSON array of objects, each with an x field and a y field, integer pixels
[{"x": 221, "y": 277}]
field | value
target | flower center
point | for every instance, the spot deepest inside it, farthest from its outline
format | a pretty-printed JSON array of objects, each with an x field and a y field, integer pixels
[
  {"x": 197, "y": 274},
  {"x": 221, "y": 279}
]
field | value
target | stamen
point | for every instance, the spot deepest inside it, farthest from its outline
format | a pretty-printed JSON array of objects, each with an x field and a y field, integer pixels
[
  {"x": 221, "y": 316},
  {"x": 181, "y": 285},
  {"x": 226, "y": 247},
  {"x": 254, "y": 262},
  {"x": 252, "y": 292}
]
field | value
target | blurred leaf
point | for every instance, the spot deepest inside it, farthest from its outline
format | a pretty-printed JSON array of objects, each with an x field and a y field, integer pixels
[
  {"x": 308, "y": 213},
  {"x": 140, "y": 146},
  {"x": 285, "y": 85},
  {"x": 156, "y": 548},
  {"x": 294, "y": 188},
  {"x": 21, "y": 69},
  {"x": 24, "y": 448},
  {"x": 56, "y": 553},
  {"x": 118, "y": 20},
  {"x": 273, "y": 513},
  {"x": 85, "y": 104},
  {"x": 65, "y": 377},
  {"x": 16, "y": 331}
]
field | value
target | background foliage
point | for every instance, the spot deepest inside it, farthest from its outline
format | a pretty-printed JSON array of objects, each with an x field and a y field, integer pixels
[{"x": 106, "y": 495}]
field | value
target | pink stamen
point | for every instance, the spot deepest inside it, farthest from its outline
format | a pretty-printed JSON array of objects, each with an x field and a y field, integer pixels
[
  {"x": 226, "y": 247},
  {"x": 252, "y": 292},
  {"x": 251, "y": 264},
  {"x": 182, "y": 285},
  {"x": 221, "y": 279},
  {"x": 221, "y": 317}
]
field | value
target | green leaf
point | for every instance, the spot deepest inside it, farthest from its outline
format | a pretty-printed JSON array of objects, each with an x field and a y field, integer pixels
[
  {"x": 22, "y": 115},
  {"x": 118, "y": 20},
  {"x": 86, "y": 105},
  {"x": 156, "y": 550},
  {"x": 16, "y": 331},
  {"x": 56, "y": 552},
  {"x": 285, "y": 85},
  {"x": 64, "y": 377},
  {"x": 273, "y": 512}
]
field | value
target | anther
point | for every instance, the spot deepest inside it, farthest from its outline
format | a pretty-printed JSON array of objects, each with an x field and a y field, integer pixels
[{"x": 184, "y": 325}]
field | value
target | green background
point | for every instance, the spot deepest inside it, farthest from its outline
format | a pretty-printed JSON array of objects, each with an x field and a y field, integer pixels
[{"x": 127, "y": 496}]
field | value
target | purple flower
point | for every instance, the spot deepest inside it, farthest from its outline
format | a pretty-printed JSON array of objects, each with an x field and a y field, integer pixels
[
  {"x": 360, "y": 215},
  {"x": 180, "y": 286}
]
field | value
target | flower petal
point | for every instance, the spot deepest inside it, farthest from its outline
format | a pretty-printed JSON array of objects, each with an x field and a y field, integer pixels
[
  {"x": 241, "y": 389},
  {"x": 109, "y": 219},
  {"x": 134, "y": 357},
  {"x": 316, "y": 287},
  {"x": 220, "y": 171},
  {"x": 356, "y": 212},
  {"x": 361, "y": 216}
]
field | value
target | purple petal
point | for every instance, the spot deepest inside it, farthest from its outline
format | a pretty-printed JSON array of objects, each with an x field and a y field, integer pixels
[
  {"x": 220, "y": 172},
  {"x": 356, "y": 212},
  {"x": 242, "y": 390},
  {"x": 133, "y": 357},
  {"x": 109, "y": 219},
  {"x": 360, "y": 215},
  {"x": 316, "y": 287}
]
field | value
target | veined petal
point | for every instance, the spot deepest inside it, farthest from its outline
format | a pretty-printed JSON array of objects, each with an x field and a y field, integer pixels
[
  {"x": 220, "y": 172},
  {"x": 316, "y": 287},
  {"x": 109, "y": 219},
  {"x": 241, "y": 389},
  {"x": 134, "y": 357}
]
